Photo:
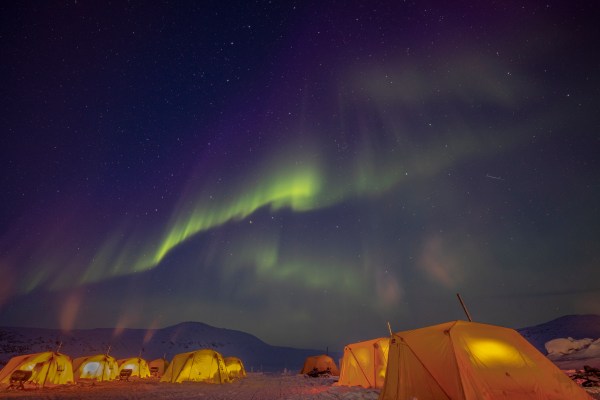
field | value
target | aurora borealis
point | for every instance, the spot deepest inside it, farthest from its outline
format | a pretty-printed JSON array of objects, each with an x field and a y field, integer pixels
[{"x": 302, "y": 171}]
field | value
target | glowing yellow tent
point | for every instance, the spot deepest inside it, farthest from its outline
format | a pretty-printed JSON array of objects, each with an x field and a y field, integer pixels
[
  {"x": 364, "y": 363},
  {"x": 138, "y": 366},
  {"x": 48, "y": 368},
  {"x": 100, "y": 367},
  {"x": 468, "y": 360},
  {"x": 235, "y": 367},
  {"x": 158, "y": 367},
  {"x": 201, "y": 365},
  {"x": 322, "y": 363}
]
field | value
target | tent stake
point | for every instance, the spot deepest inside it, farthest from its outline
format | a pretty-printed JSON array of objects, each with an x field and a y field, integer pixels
[{"x": 462, "y": 303}]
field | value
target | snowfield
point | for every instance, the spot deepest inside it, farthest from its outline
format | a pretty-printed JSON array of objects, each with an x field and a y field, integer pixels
[{"x": 255, "y": 386}]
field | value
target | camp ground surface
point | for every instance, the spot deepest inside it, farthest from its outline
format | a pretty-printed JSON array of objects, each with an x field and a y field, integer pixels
[{"x": 254, "y": 387}]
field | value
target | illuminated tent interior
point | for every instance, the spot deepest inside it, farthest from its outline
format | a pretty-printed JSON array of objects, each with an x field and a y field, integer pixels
[
  {"x": 235, "y": 367},
  {"x": 469, "y": 360},
  {"x": 200, "y": 366},
  {"x": 100, "y": 367},
  {"x": 158, "y": 367},
  {"x": 364, "y": 363},
  {"x": 48, "y": 368},
  {"x": 138, "y": 366},
  {"x": 321, "y": 363}
]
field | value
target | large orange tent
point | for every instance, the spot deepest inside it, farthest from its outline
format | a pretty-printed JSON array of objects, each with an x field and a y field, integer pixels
[
  {"x": 47, "y": 368},
  {"x": 235, "y": 367},
  {"x": 364, "y": 363},
  {"x": 100, "y": 367},
  {"x": 137, "y": 365},
  {"x": 322, "y": 363},
  {"x": 202, "y": 366},
  {"x": 468, "y": 360}
]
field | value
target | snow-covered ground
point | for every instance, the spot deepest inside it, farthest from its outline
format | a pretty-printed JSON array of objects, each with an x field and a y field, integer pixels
[{"x": 255, "y": 386}]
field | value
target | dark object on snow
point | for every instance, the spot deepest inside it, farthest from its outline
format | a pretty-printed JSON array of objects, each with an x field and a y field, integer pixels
[
  {"x": 18, "y": 379},
  {"x": 125, "y": 374},
  {"x": 591, "y": 370},
  {"x": 315, "y": 373},
  {"x": 588, "y": 377}
]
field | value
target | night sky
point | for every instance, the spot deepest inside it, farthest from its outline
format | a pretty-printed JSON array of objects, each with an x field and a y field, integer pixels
[{"x": 302, "y": 171}]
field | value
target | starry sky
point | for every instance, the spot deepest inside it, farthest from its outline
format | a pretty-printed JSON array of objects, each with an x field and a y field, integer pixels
[{"x": 302, "y": 171}]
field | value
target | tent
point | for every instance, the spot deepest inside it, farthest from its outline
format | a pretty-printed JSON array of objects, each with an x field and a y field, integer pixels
[
  {"x": 201, "y": 365},
  {"x": 322, "y": 363},
  {"x": 138, "y": 366},
  {"x": 158, "y": 367},
  {"x": 468, "y": 360},
  {"x": 235, "y": 367},
  {"x": 100, "y": 367},
  {"x": 364, "y": 363},
  {"x": 48, "y": 368}
]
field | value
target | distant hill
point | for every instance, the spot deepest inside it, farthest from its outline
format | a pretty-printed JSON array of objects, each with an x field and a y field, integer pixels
[
  {"x": 575, "y": 326},
  {"x": 154, "y": 343}
]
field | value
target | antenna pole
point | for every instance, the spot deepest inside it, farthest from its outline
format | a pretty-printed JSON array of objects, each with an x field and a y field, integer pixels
[{"x": 462, "y": 303}]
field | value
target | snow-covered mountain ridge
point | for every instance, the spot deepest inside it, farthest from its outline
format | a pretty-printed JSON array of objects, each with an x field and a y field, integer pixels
[{"x": 574, "y": 326}]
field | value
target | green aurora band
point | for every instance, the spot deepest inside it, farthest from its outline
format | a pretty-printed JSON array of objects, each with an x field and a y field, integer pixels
[{"x": 302, "y": 180}]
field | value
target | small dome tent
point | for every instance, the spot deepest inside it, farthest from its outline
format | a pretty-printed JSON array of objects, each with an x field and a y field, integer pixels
[
  {"x": 138, "y": 366},
  {"x": 364, "y": 363},
  {"x": 201, "y": 366},
  {"x": 100, "y": 367},
  {"x": 47, "y": 368},
  {"x": 235, "y": 367},
  {"x": 321, "y": 364},
  {"x": 468, "y": 360}
]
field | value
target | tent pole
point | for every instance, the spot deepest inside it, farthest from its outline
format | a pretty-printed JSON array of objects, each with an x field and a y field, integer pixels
[
  {"x": 462, "y": 303},
  {"x": 390, "y": 328}
]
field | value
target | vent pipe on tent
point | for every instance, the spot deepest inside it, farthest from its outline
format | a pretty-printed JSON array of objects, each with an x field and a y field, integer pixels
[{"x": 462, "y": 303}]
